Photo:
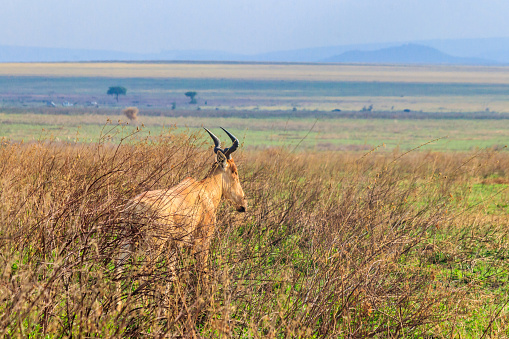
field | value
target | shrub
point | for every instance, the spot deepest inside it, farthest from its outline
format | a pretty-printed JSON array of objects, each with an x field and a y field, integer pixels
[
  {"x": 333, "y": 244},
  {"x": 131, "y": 113}
]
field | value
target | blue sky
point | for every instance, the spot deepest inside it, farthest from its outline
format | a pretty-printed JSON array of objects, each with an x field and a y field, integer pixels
[{"x": 243, "y": 26}]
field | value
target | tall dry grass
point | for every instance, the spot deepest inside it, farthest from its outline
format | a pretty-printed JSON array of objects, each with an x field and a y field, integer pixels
[{"x": 333, "y": 245}]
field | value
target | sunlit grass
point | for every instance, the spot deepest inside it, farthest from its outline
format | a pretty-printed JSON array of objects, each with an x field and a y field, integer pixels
[
  {"x": 317, "y": 134},
  {"x": 333, "y": 243},
  {"x": 317, "y": 72}
]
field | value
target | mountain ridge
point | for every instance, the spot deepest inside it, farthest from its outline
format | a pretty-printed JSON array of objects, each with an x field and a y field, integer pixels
[
  {"x": 482, "y": 51},
  {"x": 406, "y": 54}
]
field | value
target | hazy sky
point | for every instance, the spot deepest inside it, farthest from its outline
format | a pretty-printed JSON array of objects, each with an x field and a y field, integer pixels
[{"x": 243, "y": 26}]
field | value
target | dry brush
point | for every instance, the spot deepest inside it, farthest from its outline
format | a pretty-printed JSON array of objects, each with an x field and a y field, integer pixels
[{"x": 333, "y": 244}]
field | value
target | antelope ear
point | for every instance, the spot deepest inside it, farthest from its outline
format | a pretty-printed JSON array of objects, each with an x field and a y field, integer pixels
[{"x": 221, "y": 159}]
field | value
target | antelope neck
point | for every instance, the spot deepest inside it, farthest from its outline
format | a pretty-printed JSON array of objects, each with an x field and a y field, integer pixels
[{"x": 213, "y": 185}]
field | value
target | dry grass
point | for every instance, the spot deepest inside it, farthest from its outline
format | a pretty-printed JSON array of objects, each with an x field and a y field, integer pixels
[
  {"x": 311, "y": 72},
  {"x": 333, "y": 245}
]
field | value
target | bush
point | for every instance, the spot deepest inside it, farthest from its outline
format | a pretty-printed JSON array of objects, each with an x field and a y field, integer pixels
[
  {"x": 333, "y": 244},
  {"x": 131, "y": 113}
]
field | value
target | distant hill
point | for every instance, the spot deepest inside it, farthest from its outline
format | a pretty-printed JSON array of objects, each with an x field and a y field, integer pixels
[
  {"x": 315, "y": 54},
  {"x": 452, "y": 51},
  {"x": 496, "y": 49},
  {"x": 43, "y": 54},
  {"x": 477, "y": 50},
  {"x": 405, "y": 54}
]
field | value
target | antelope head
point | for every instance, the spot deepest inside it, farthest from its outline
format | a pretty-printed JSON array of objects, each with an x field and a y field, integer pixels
[{"x": 231, "y": 188}]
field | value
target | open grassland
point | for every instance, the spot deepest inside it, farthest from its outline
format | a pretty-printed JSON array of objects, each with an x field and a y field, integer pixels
[
  {"x": 347, "y": 234},
  {"x": 258, "y": 87},
  {"x": 265, "y": 71},
  {"x": 304, "y": 133},
  {"x": 334, "y": 244}
]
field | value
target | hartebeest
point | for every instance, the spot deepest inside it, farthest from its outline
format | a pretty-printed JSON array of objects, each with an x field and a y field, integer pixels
[{"x": 185, "y": 215}]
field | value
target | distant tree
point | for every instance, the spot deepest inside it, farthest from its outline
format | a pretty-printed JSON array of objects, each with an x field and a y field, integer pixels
[
  {"x": 191, "y": 96},
  {"x": 116, "y": 91}
]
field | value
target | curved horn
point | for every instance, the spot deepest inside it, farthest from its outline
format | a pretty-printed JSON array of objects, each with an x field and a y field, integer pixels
[
  {"x": 217, "y": 143},
  {"x": 228, "y": 151}
]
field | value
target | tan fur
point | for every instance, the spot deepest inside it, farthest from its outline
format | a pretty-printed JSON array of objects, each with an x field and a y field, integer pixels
[{"x": 185, "y": 215}]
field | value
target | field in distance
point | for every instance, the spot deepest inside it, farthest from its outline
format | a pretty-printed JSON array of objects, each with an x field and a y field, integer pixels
[
  {"x": 312, "y": 134},
  {"x": 255, "y": 87},
  {"x": 322, "y": 107},
  {"x": 266, "y": 71},
  {"x": 341, "y": 242}
]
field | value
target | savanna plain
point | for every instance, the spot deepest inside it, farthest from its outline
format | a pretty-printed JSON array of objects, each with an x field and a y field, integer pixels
[{"x": 378, "y": 200}]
